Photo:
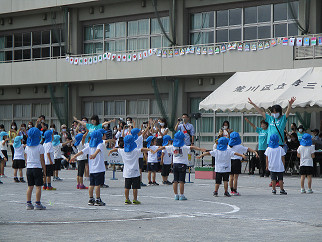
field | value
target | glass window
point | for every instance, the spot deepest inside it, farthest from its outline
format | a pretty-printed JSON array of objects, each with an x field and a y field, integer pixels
[
  {"x": 88, "y": 109},
  {"x": 295, "y": 7},
  {"x": 45, "y": 37},
  {"x": 56, "y": 51},
  {"x": 154, "y": 108},
  {"x": 132, "y": 44},
  {"x": 2, "y": 56},
  {"x": 250, "y": 33},
  {"x": 293, "y": 29},
  {"x": 222, "y": 35},
  {"x": 109, "y": 108},
  {"x": 55, "y": 36},
  {"x": 143, "y": 43},
  {"x": 280, "y": 11},
  {"x": 156, "y": 42},
  {"x": 207, "y": 37},
  {"x": 264, "y": 13},
  {"x": 2, "y": 40},
  {"x": 18, "y": 54},
  {"x": 88, "y": 33},
  {"x": 234, "y": 34},
  {"x": 222, "y": 18},
  {"x": 235, "y": 16},
  {"x": 45, "y": 52},
  {"x": 119, "y": 45},
  {"x": 8, "y": 55},
  {"x": 98, "y": 108},
  {"x": 250, "y": 15},
  {"x": 235, "y": 123},
  {"x": 110, "y": 46},
  {"x": 98, "y": 32},
  {"x": 143, "y": 107},
  {"x": 280, "y": 30},
  {"x": 131, "y": 107},
  {"x": 18, "y": 40},
  {"x": 120, "y": 29},
  {"x": 26, "y": 54},
  {"x": 27, "y": 39},
  {"x": 119, "y": 107},
  {"x": 36, "y": 38},
  {"x": 165, "y": 23},
  {"x": 8, "y": 41},
  {"x": 196, "y": 21},
  {"x": 219, "y": 121},
  {"x": 195, "y": 38},
  {"x": 36, "y": 110},
  {"x": 109, "y": 30},
  {"x": 143, "y": 27},
  {"x": 98, "y": 47},
  {"x": 88, "y": 48},
  {"x": 36, "y": 53},
  {"x": 165, "y": 42},
  {"x": 208, "y": 20},
  {"x": 207, "y": 124},
  {"x": 132, "y": 28},
  {"x": 155, "y": 27},
  {"x": 264, "y": 32}
]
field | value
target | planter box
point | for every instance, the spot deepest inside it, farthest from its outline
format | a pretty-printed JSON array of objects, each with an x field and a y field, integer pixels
[{"x": 205, "y": 173}]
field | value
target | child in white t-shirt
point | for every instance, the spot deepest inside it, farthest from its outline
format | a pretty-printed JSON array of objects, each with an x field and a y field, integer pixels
[
  {"x": 131, "y": 171},
  {"x": 235, "y": 145},
  {"x": 166, "y": 160},
  {"x": 18, "y": 159},
  {"x": 223, "y": 163},
  {"x": 4, "y": 138},
  {"x": 36, "y": 168},
  {"x": 152, "y": 160},
  {"x": 57, "y": 146},
  {"x": 306, "y": 154},
  {"x": 95, "y": 150},
  {"x": 49, "y": 160},
  {"x": 81, "y": 160},
  {"x": 275, "y": 162}
]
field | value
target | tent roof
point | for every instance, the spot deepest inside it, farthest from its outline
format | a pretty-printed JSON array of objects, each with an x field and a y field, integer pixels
[{"x": 267, "y": 88}]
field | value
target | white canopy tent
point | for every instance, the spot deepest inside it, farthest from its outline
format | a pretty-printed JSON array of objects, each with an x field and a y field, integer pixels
[{"x": 267, "y": 88}]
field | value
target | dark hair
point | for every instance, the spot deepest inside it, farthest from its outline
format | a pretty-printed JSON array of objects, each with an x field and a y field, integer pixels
[
  {"x": 294, "y": 124},
  {"x": 295, "y": 136},
  {"x": 23, "y": 125},
  {"x": 52, "y": 126},
  {"x": 225, "y": 122},
  {"x": 14, "y": 124},
  {"x": 95, "y": 117},
  {"x": 153, "y": 139},
  {"x": 264, "y": 122},
  {"x": 129, "y": 119},
  {"x": 42, "y": 116},
  {"x": 185, "y": 115},
  {"x": 85, "y": 119},
  {"x": 1, "y": 126},
  {"x": 276, "y": 108},
  {"x": 163, "y": 120}
]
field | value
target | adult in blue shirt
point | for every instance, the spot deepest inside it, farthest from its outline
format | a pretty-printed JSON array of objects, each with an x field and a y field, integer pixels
[
  {"x": 187, "y": 128},
  {"x": 262, "y": 145}
]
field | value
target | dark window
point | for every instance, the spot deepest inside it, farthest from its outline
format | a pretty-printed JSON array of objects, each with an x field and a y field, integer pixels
[
  {"x": 45, "y": 52},
  {"x": 234, "y": 34},
  {"x": 8, "y": 55},
  {"x": 18, "y": 54},
  {"x": 18, "y": 40},
  {"x": 222, "y": 18},
  {"x": 293, "y": 29},
  {"x": 26, "y": 54},
  {"x": 264, "y": 32},
  {"x": 26, "y": 39},
  {"x": 222, "y": 35},
  {"x": 45, "y": 37},
  {"x": 56, "y": 51},
  {"x": 280, "y": 11},
  {"x": 55, "y": 36},
  {"x": 295, "y": 8},
  {"x": 36, "y": 38},
  {"x": 264, "y": 13},
  {"x": 235, "y": 16},
  {"x": 36, "y": 53},
  {"x": 280, "y": 30},
  {"x": 250, "y": 33},
  {"x": 8, "y": 41},
  {"x": 250, "y": 15}
]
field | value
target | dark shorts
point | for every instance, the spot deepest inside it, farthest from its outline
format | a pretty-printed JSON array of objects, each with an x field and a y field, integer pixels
[
  {"x": 134, "y": 183},
  {"x": 141, "y": 163},
  {"x": 57, "y": 165},
  {"x": 306, "y": 170},
  {"x": 35, "y": 177},
  {"x": 275, "y": 175},
  {"x": 165, "y": 170},
  {"x": 18, "y": 164},
  {"x": 49, "y": 170},
  {"x": 153, "y": 167},
  {"x": 5, "y": 153},
  {"x": 235, "y": 166},
  {"x": 159, "y": 142},
  {"x": 222, "y": 176},
  {"x": 179, "y": 172},
  {"x": 96, "y": 179},
  {"x": 81, "y": 167}
]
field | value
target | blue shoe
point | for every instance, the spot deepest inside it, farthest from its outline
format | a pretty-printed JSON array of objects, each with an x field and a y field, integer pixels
[
  {"x": 182, "y": 197},
  {"x": 29, "y": 206},
  {"x": 143, "y": 185},
  {"x": 176, "y": 197},
  {"x": 39, "y": 207}
]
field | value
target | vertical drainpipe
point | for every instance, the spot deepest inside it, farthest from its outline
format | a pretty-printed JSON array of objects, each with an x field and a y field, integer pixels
[{"x": 68, "y": 31}]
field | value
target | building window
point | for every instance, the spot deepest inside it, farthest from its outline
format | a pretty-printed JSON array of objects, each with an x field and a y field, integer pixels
[
  {"x": 125, "y": 36},
  {"x": 32, "y": 45},
  {"x": 249, "y": 23}
]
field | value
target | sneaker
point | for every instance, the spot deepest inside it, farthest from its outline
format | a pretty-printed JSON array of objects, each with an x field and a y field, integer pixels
[
  {"x": 29, "y": 206},
  {"x": 309, "y": 190},
  {"x": 182, "y": 198},
  {"x": 303, "y": 190},
  {"x": 164, "y": 183},
  {"x": 91, "y": 202},
  {"x": 22, "y": 180},
  {"x": 274, "y": 191},
  {"x": 39, "y": 207},
  {"x": 99, "y": 202},
  {"x": 1, "y": 182},
  {"x": 235, "y": 193},
  {"x": 51, "y": 189},
  {"x": 282, "y": 192},
  {"x": 3, "y": 176},
  {"x": 58, "y": 179},
  {"x": 215, "y": 194},
  {"x": 150, "y": 183},
  {"x": 16, "y": 179},
  {"x": 54, "y": 178},
  {"x": 82, "y": 187},
  {"x": 44, "y": 188},
  {"x": 176, "y": 197},
  {"x": 232, "y": 193},
  {"x": 127, "y": 202},
  {"x": 226, "y": 194},
  {"x": 155, "y": 184},
  {"x": 77, "y": 187},
  {"x": 143, "y": 185},
  {"x": 104, "y": 186},
  {"x": 168, "y": 183},
  {"x": 136, "y": 202}
]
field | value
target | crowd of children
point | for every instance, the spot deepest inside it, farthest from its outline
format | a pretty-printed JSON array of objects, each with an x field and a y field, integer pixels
[{"x": 41, "y": 150}]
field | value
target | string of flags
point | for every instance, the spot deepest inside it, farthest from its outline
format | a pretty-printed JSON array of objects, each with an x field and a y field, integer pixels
[{"x": 199, "y": 50}]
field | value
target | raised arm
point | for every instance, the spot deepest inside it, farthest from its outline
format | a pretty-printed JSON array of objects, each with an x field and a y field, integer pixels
[
  {"x": 197, "y": 148},
  {"x": 144, "y": 150},
  {"x": 108, "y": 122},
  {"x": 84, "y": 136},
  {"x": 259, "y": 110},
  {"x": 75, "y": 156},
  {"x": 243, "y": 156},
  {"x": 177, "y": 125},
  {"x": 253, "y": 151},
  {"x": 81, "y": 122},
  {"x": 251, "y": 124},
  {"x": 113, "y": 150},
  {"x": 289, "y": 108},
  {"x": 204, "y": 154}
]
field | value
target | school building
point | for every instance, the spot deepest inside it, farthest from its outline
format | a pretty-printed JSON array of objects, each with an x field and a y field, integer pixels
[{"x": 36, "y": 36}]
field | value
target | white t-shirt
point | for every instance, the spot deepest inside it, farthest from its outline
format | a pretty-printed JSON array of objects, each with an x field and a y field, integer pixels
[
  {"x": 117, "y": 136},
  {"x": 180, "y": 154},
  {"x": 131, "y": 162},
  {"x": 274, "y": 155},
  {"x": 49, "y": 149},
  {"x": 158, "y": 134},
  {"x": 80, "y": 147},
  {"x": 167, "y": 158},
  {"x": 19, "y": 153},
  {"x": 57, "y": 151},
  {"x": 139, "y": 144},
  {"x": 33, "y": 156},
  {"x": 214, "y": 147},
  {"x": 95, "y": 165},
  {"x": 238, "y": 149},
  {"x": 306, "y": 155},
  {"x": 3, "y": 147},
  {"x": 153, "y": 158},
  {"x": 222, "y": 159}
]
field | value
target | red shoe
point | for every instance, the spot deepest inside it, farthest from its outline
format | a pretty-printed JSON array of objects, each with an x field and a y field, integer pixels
[
  {"x": 77, "y": 186},
  {"x": 44, "y": 188},
  {"x": 277, "y": 184},
  {"x": 82, "y": 187},
  {"x": 51, "y": 189},
  {"x": 270, "y": 185}
]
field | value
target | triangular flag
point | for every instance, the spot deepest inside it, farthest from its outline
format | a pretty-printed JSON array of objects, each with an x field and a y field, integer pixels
[
  {"x": 145, "y": 54},
  {"x": 134, "y": 56},
  {"x": 113, "y": 57},
  {"x": 129, "y": 57},
  {"x": 306, "y": 41},
  {"x": 299, "y": 41},
  {"x": 105, "y": 56},
  {"x": 67, "y": 58},
  {"x": 90, "y": 60},
  {"x": 150, "y": 52},
  {"x": 108, "y": 56},
  {"x": 76, "y": 61},
  {"x": 313, "y": 41},
  {"x": 71, "y": 60},
  {"x": 100, "y": 58},
  {"x": 124, "y": 58},
  {"x": 80, "y": 61},
  {"x": 85, "y": 61},
  {"x": 95, "y": 59},
  {"x": 291, "y": 41},
  {"x": 119, "y": 57},
  {"x": 140, "y": 56}
]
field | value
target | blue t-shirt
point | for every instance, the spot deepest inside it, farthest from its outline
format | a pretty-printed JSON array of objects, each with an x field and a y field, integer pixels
[
  {"x": 280, "y": 123},
  {"x": 262, "y": 138},
  {"x": 299, "y": 135},
  {"x": 92, "y": 127}
]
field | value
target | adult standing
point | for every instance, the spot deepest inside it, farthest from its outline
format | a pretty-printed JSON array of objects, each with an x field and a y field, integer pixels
[
  {"x": 187, "y": 128},
  {"x": 95, "y": 123},
  {"x": 41, "y": 123},
  {"x": 13, "y": 132}
]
